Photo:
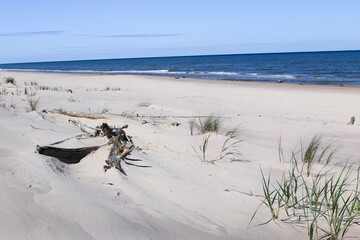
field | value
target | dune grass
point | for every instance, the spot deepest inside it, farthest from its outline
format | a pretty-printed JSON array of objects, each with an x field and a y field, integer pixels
[
  {"x": 207, "y": 124},
  {"x": 33, "y": 103},
  {"x": 328, "y": 203},
  {"x": 316, "y": 150},
  {"x": 215, "y": 124},
  {"x": 10, "y": 80},
  {"x": 203, "y": 147},
  {"x": 230, "y": 148}
]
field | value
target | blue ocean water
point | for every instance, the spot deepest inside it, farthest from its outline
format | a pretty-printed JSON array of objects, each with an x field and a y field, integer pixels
[{"x": 332, "y": 68}]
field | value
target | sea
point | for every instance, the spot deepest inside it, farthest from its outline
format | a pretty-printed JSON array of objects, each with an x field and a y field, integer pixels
[{"x": 326, "y": 68}]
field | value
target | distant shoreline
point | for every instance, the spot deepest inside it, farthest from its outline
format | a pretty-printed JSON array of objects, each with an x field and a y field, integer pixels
[{"x": 265, "y": 84}]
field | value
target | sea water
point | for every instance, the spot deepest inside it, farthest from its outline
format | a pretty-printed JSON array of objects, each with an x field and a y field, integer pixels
[{"x": 332, "y": 68}]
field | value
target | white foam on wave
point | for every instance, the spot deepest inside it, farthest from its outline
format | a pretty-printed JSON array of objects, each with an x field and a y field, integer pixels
[
  {"x": 168, "y": 72},
  {"x": 171, "y": 72},
  {"x": 161, "y": 71},
  {"x": 223, "y": 73},
  {"x": 282, "y": 76}
]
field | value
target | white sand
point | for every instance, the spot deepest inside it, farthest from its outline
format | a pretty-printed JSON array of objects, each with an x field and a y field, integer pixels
[{"x": 180, "y": 197}]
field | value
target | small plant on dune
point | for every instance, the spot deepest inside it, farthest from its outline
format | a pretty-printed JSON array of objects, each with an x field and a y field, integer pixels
[
  {"x": 33, "y": 103},
  {"x": 111, "y": 89},
  {"x": 230, "y": 147},
  {"x": 31, "y": 94},
  {"x": 44, "y": 87},
  {"x": 104, "y": 110},
  {"x": 207, "y": 124},
  {"x": 287, "y": 190},
  {"x": 18, "y": 91},
  {"x": 34, "y": 84},
  {"x": 3, "y": 91},
  {"x": 203, "y": 147},
  {"x": 192, "y": 123},
  {"x": 10, "y": 80},
  {"x": 271, "y": 196},
  {"x": 316, "y": 151},
  {"x": 213, "y": 123},
  {"x": 56, "y": 89}
]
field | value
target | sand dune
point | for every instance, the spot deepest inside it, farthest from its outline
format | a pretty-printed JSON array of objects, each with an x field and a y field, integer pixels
[{"x": 179, "y": 197}]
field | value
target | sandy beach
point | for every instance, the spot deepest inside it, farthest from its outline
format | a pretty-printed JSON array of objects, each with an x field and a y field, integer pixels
[{"x": 179, "y": 196}]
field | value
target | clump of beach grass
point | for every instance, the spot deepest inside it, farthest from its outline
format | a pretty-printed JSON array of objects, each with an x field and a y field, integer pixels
[
  {"x": 34, "y": 84},
  {"x": 33, "y": 103},
  {"x": 10, "y": 80},
  {"x": 212, "y": 123},
  {"x": 230, "y": 147},
  {"x": 215, "y": 124},
  {"x": 328, "y": 203},
  {"x": 316, "y": 150},
  {"x": 202, "y": 125},
  {"x": 331, "y": 204}
]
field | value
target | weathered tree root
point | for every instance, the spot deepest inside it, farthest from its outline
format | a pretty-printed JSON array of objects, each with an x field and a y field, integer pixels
[{"x": 122, "y": 147}]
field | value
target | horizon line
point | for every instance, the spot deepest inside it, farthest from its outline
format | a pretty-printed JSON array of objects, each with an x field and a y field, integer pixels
[{"x": 200, "y": 55}]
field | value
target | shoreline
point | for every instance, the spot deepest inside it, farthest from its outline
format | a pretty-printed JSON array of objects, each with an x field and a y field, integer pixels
[{"x": 247, "y": 83}]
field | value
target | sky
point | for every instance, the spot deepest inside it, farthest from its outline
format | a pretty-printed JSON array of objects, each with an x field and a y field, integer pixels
[{"x": 44, "y": 30}]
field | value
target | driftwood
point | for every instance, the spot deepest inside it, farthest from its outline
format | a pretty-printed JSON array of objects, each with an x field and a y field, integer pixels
[
  {"x": 66, "y": 155},
  {"x": 122, "y": 146},
  {"x": 85, "y": 128}
]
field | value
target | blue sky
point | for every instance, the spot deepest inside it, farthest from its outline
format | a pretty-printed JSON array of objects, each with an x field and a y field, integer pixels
[{"x": 44, "y": 30}]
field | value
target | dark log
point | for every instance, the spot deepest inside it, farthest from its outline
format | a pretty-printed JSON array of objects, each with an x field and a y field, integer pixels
[{"x": 66, "y": 155}]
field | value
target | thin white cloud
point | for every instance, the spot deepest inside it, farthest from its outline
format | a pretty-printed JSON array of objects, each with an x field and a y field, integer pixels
[
  {"x": 151, "y": 35},
  {"x": 30, "y": 33}
]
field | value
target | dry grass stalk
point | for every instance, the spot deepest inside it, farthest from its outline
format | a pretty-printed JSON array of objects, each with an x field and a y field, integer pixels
[
  {"x": 33, "y": 103},
  {"x": 77, "y": 114}
]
